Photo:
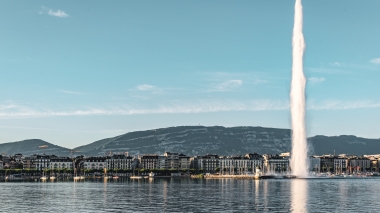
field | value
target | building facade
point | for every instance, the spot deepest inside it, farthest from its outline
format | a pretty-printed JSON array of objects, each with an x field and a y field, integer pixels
[{"x": 61, "y": 163}]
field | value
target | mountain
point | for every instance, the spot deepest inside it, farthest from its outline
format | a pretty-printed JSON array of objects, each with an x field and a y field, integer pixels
[
  {"x": 29, "y": 147},
  {"x": 200, "y": 140},
  {"x": 347, "y": 144},
  {"x": 195, "y": 140}
]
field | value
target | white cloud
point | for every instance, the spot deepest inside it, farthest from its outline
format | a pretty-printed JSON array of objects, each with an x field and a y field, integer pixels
[
  {"x": 315, "y": 80},
  {"x": 189, "y": 106},
  {"x": 146, "y": 87},
  {"x": 70, "y": 92},
  {"x": 58, "y": 13},
  {"x": 337, "y": 64},
  {"x": 227, "y": 85},
  {"x": 375, "y": 61},
  {"x": 342, "y": 105},
  {"x": 10, "y": 111},
  {"x": 259, "y": 81}
]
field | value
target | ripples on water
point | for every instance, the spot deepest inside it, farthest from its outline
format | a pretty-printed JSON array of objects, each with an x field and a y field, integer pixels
[{"x": 193, "y": 195}]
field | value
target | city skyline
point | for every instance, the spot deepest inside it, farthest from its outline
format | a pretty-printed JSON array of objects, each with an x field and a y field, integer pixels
[{"x": 73, "y": 73}]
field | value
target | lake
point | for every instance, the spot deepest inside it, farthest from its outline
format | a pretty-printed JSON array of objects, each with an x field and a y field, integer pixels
[{"x": 193, "y": 195}]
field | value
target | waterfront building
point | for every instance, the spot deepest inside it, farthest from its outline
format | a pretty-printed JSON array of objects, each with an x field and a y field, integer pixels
[
  {"x": 149, "y": 161},
  {"x": 315, "y": 164},
  {"x": 98, "y": 163},
  {"x": 233, "y": 165},
  {"x": 374, "y": 162},
  {"x": 210, "y": 163},
  {"x": 359, "y": 164},
  {"x": 28, "y": 162},
  {"x": 184, "y": 162},
  {"x": 61, "y": 163},
  {"x": 207, "y": 163},
  {"x": 275, "y": 164},
  {"x": 327, "y": 163},
  {"x": 172, "y": 160},
  {"x": 119, "y": 161},
  {"x": 6, "y": 161},
  {"x": 240, "y": 164},
  {"x": 340, "y": 164},
  {"x": 41, "y": 162},
  {"x": 161, "y": 162}
]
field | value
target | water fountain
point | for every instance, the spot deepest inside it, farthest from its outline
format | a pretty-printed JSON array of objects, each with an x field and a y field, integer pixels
[{"x": 299, "y": 160}]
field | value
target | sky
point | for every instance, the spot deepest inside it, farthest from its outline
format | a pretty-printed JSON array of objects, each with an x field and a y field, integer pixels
[{"x": 73, "y": 72}]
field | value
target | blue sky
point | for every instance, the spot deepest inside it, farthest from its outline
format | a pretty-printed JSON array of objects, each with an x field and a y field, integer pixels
[{"x": 75, "y": 72}]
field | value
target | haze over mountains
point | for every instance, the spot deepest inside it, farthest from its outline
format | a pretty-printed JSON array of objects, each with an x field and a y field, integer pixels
[{"x": 200, "y": 140}]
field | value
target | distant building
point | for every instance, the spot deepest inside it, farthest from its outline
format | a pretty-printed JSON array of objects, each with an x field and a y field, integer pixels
[
  {"x": 149, "y": 161},
  {"x": 98, "y": 163},
  {"x": 340, "y": 164},
  {"x": 275, "y": 164},
  {"x": 359, "y": 164},
  {"x": 315, "y": 164},
  {"x": 41, "y": 162},
  {"x": 184, "y": 162},
  {"x": 172, "y": 160},
  {"x": 210, "y": 163},
  {"x": 161, "y": 162},
  {"x": 240, "y": 164},
  {"x": 119, "y": 161},
  {"x": 28, "y": 162},
  {"x": 61, "y": 163},
  {"x": 207, "y": 163}
]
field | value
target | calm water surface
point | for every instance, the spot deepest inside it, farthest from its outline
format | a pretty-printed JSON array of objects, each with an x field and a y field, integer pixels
[{"x": 193, "y": 195}]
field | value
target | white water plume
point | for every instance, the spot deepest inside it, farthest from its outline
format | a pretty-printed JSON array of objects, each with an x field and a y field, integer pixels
[{"x": 299, "y": 160}]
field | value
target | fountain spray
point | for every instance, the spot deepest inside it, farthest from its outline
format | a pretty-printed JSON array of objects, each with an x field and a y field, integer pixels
[{"x": 299, "y": 160}]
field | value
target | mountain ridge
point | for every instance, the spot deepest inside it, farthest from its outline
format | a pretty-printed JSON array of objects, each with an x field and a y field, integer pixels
[{"x": 200, "y": 140}]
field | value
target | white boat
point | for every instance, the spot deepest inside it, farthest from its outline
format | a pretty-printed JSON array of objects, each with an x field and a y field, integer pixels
[
  {"x": 257, "y": 173},
  {"x": 82, "y": 177},
  {"x": 76, "y": 178},
  {"x": 151, "y": 175},
  {"x": 44, "y": 178},
  {"x": 136, "y": 177},
  {"x": 14, "y": 177},
  {"x": 53, "y": 177}
]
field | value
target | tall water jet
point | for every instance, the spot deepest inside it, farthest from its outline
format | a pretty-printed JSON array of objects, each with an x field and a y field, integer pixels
[{"x": 299, "y": 160}]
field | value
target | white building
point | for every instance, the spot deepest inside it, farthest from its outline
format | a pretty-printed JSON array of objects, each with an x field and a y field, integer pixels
[
  {"x": 41, "y": 162},
  {"x": 98, "y": 163},
  {"x": 61, "y": 163},
  {"x": 239, "y": 164},
  {"x": 119, "y": 161}
]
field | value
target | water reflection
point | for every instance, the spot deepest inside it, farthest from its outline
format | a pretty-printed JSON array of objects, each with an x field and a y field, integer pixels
[
  {"x": 299, "y": 195},
  {"x": 193, "y": 195}
]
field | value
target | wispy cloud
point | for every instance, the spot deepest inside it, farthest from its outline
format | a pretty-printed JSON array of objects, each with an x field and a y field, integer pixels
[
  {"x": 10, "y": 111},
  {"x": 337, "y": 64},
  {"x": 342, "y": 105},
  {"x": 375, "y": 61},
  {"x": 146, "y": 87},
  {"x": 226, "y": 85},
  {"x": 189, "y": 106},
  {"x": 325, "y": 70},
  {"x": 58, "y": 13},
  {"x": 70, "y": 92},
  {"x": 314, "y": 80}
]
